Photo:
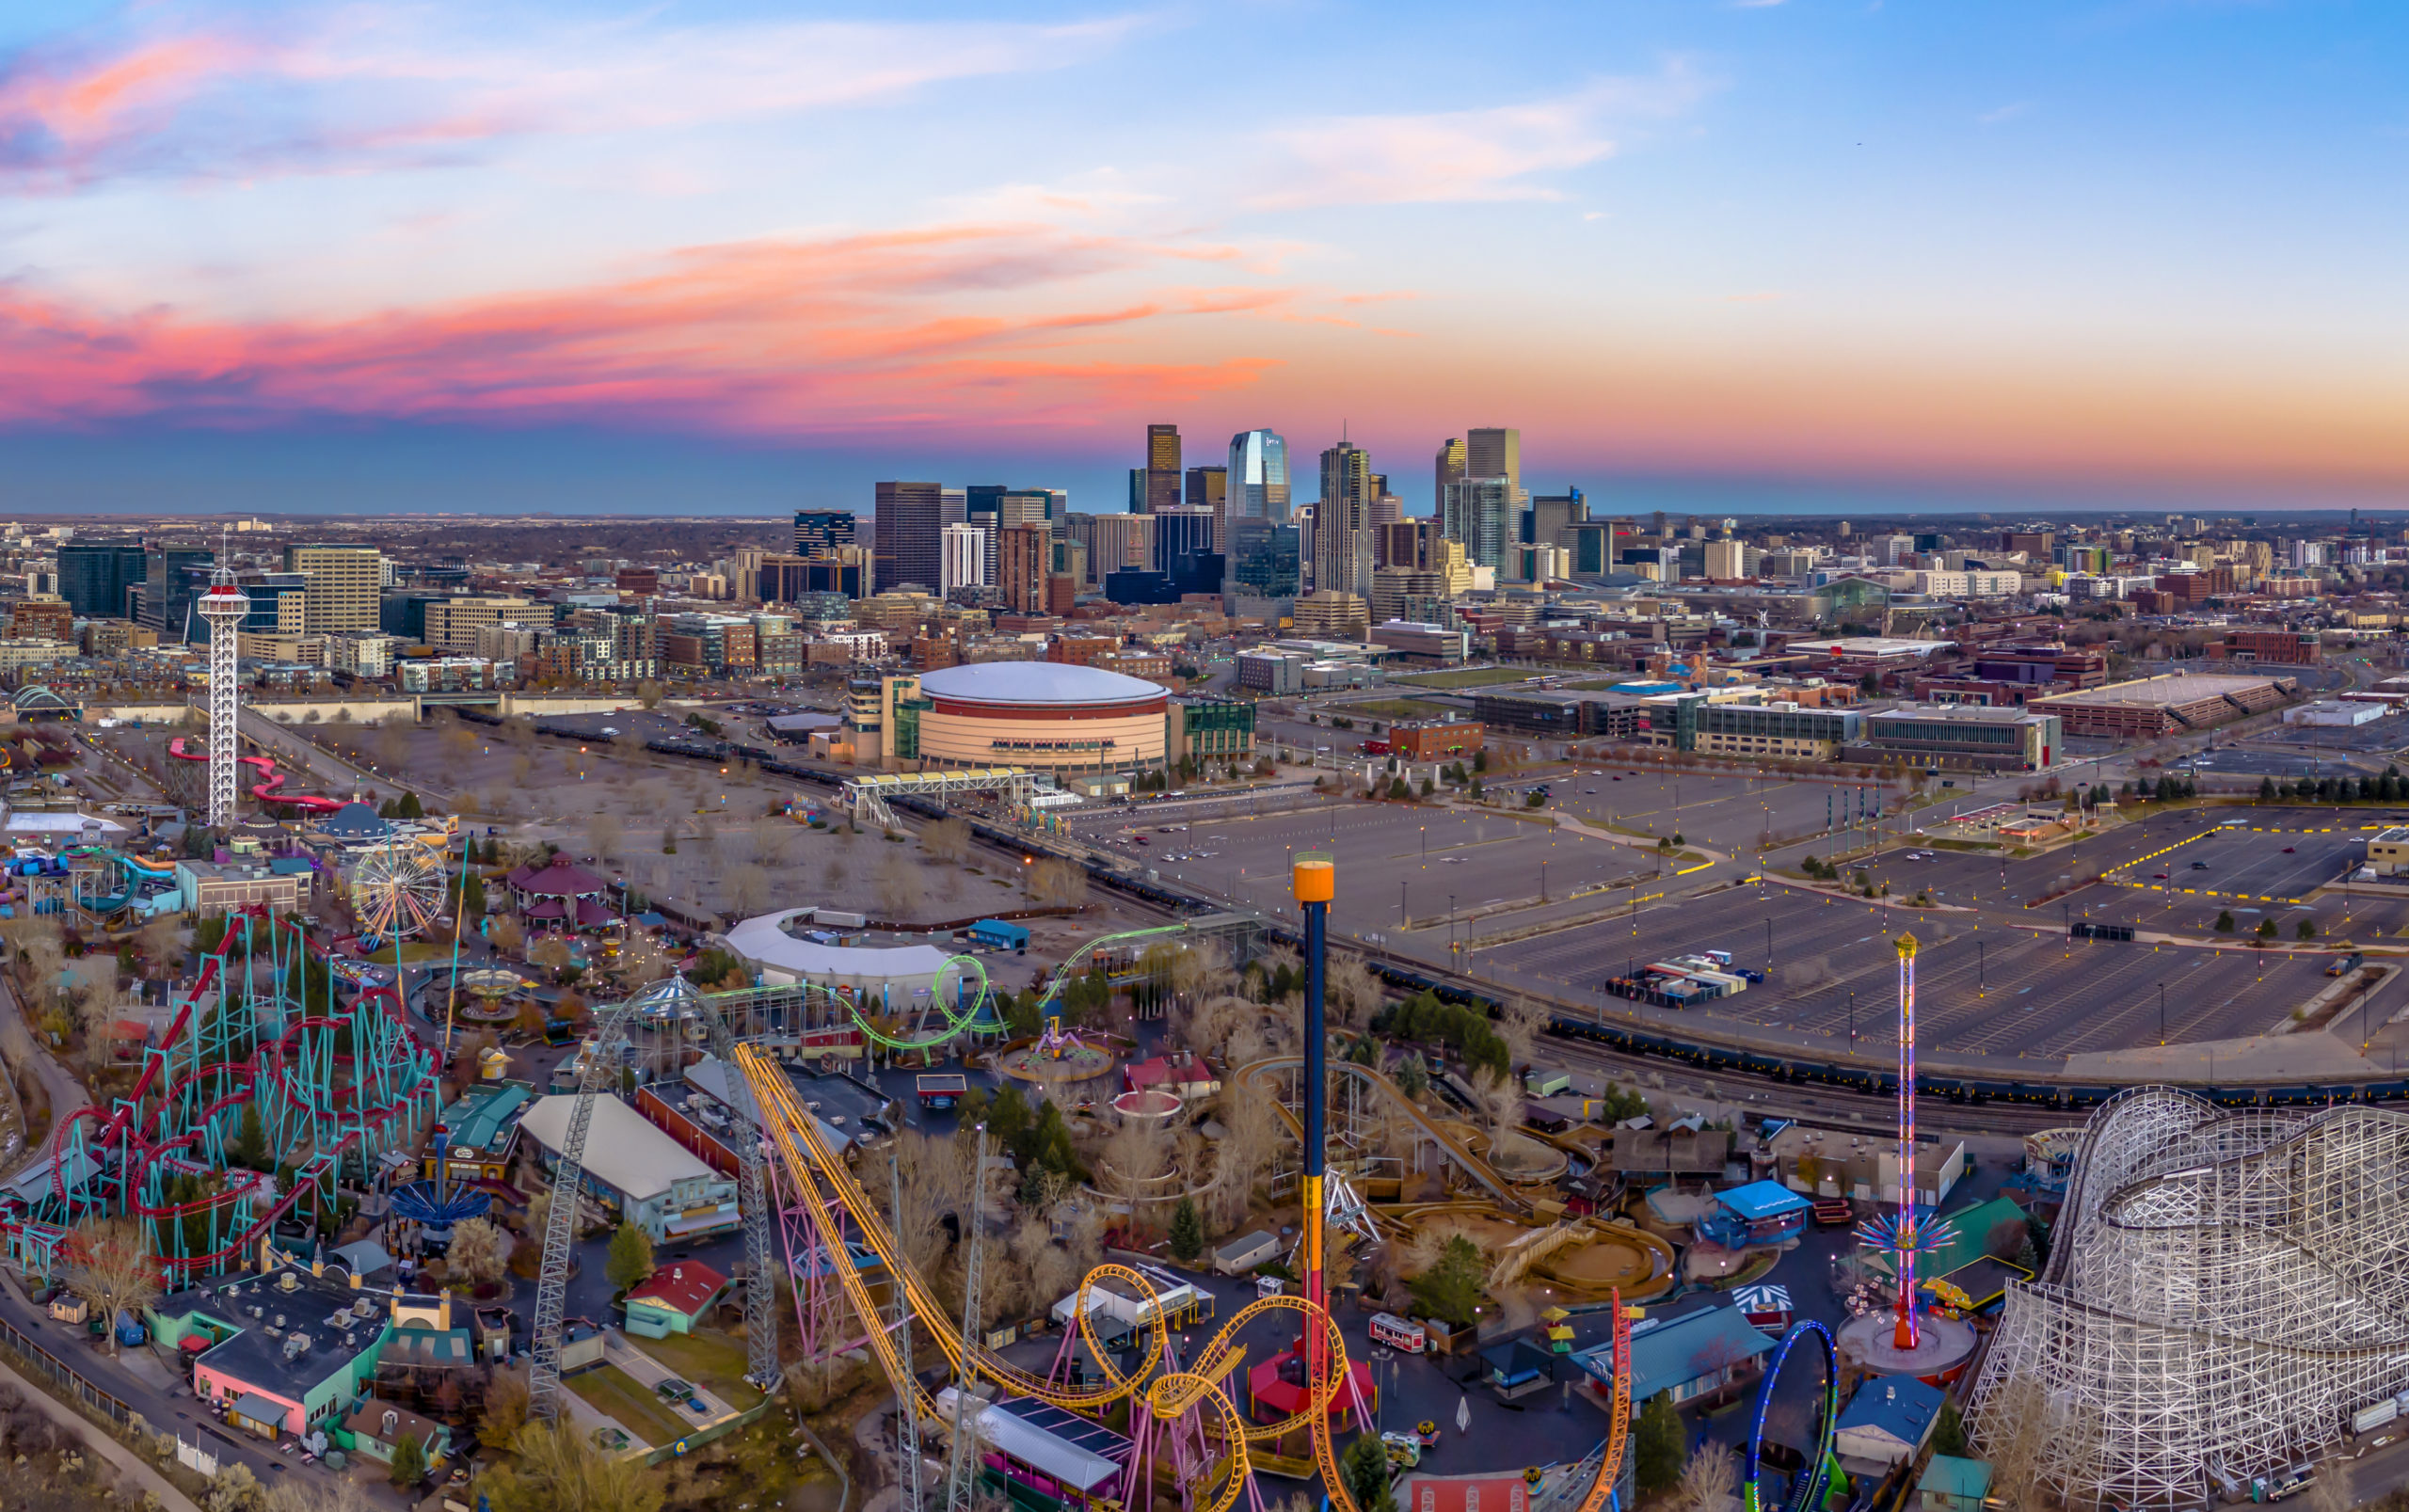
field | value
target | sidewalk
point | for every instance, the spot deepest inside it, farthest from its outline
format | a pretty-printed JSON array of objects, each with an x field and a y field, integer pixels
[{"x": 100, "y": 1443}]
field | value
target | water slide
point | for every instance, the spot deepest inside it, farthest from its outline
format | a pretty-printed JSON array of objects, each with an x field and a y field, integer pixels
[{"x": 266, "y": 791}]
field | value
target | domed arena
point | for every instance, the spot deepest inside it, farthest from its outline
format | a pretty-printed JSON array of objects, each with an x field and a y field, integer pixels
[{"x": 1047, "y": 715}]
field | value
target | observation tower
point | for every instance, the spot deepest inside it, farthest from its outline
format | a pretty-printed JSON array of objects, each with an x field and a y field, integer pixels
[{"x": 224, "y": 607}]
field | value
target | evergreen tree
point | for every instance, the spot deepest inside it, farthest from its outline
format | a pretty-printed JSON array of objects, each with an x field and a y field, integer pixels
[
  {"x": 250, "y": 1140},
  {"x": 1186, "y": 1232},
  {"x": 2266, "y": 789},
  {"x": 2225, "y": 921},
  {"x": 409, "y": 807},
  {"x": 2265, "y": 929},
  {"x": 1398, "y": 789},
  {"x": 1449, "y": 1290},
  {"x": 409, "y": 1462},
  {"x": 2306, "y": 929},
  {"x": 1659, "y": 1452},
  {"x": 1949, "y": 1431},
  {"x": 1364, "y": 1468},
  {"x": 473, "y": 896},
  {"x": 630, "y": 1259}
]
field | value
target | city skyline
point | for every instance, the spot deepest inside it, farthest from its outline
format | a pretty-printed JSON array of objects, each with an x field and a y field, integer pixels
[{"x": 1746, "y": 259}]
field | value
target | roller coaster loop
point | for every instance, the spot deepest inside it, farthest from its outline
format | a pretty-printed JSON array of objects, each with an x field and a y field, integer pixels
[
  {"x": 810, "y": 1167},
  {"x": 1807, "y": 1485}
]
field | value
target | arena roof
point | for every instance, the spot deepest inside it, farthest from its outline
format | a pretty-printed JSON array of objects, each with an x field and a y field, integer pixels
[{"x": 1036, "y": 682}]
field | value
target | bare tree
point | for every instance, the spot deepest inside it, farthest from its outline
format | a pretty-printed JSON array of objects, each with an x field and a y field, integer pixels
[
  {"x": 899, "y": 887},
  {"x": 480, "y": 1252},
  {"x": 605, "y": 832},
  {"x": 1520, "y": 1025},
  {"x": 748, "y": 889},
  {"x": 936, "y": 1183},
  {"x": 110, "y": 1265},
  {"x": 1134, "y": 1163},
  {"x": 1710, "y": 1482},
  {"x": 1254, "y": 1135},
  {"x": 1055, "y": 883},
  {"x": 947, "y": 840},
  {"x": 1352, "y": 995}
]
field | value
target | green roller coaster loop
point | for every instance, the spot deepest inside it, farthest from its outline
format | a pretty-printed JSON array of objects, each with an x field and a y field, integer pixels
[{"x": 957, "y": 1021}]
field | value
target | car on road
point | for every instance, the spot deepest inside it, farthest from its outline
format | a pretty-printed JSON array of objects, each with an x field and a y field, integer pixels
[
  {"x": 2158, "y": 876},
  {"x": 2287, "y": 850},
  {"x": 2199, "y": 866}
]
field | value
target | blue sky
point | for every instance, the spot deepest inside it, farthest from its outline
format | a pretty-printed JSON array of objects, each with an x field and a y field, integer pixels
[{"x": 726, "y": 256}]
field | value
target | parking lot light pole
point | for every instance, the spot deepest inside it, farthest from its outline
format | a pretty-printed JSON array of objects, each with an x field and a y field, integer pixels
[{"x": 2161, "y": 1013}]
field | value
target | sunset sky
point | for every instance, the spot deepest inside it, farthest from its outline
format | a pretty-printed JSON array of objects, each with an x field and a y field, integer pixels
[{"x": 1721, "y": 254}]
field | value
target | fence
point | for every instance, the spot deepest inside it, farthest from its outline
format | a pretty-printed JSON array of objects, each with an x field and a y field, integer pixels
[{"x": 21, "y": 1345}]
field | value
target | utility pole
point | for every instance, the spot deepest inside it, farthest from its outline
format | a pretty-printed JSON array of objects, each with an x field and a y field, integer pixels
[
  {"x": 962, "y": 1465},
  {"x": 907, "y": 1390}
]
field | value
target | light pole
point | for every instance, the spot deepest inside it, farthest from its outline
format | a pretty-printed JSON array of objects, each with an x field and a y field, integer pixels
[
  {"x": 1852, "y": 1020},
  {"x": 2161, "y": 1014},
  {"x": 1982, "y": 969}
]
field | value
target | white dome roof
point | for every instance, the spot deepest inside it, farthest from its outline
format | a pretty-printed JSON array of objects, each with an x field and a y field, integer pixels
[{"x": 1036, "y": 682}]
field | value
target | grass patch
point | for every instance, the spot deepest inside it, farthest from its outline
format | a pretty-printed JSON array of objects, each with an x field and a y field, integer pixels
[
  {"x": 615, "y": 1394},
  {"x": 1470, "y": 677},
  {"x": 712, "y": 1359}
]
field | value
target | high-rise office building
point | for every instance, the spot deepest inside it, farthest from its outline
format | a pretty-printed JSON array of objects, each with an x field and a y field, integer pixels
[
  {"x": 1479, "y": 512},
  {"x": 1162, "y": 467},
  {"x": 1208, "y": 488},
  {"x": 344, "y": 584},
  {"x": 1263, "y": 559},
  {"x": 1257, "y": 476},
  {"x": 815, "y": 529},
  {"x": 1184, "y": 549},
  {"x": 171, "y": 577},
  {"x": 1118, "y": 541},
  {"x": 1024, "y": 506},
  {"x": 1447, "y": 468},
  {"x": 94, "y": 575},
  {"x": 1550, "y": 517},
  {"x": 1496, "y": 451},
  {"x": 1024, "y": 560},
  {"x": 1342, "y": 523},
  {"x": 907, "y": 533},
  {"x": 1725, "y": 559},
  {"x": 1407, "y": 543},
  {"x": 964, "y": 556}
]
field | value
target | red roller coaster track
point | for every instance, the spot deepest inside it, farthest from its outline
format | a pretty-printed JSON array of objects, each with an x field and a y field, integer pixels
[{"x": 136, "y": 1130}]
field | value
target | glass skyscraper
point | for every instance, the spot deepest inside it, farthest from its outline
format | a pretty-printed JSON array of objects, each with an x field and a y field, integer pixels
[{"x": 1258, "y": 477}]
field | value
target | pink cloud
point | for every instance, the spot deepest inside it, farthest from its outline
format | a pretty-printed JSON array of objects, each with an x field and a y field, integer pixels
[{"x": 784, "y": 338}]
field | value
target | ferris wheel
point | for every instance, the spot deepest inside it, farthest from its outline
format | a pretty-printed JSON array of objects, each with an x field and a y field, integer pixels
[{"x": 397, "y": 890}]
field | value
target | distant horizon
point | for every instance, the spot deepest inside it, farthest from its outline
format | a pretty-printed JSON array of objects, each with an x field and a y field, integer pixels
[{"x": 400, "y": 471}]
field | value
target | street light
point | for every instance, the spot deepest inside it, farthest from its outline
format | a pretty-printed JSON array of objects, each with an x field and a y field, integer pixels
[{"x": 2161, "y": 1014}]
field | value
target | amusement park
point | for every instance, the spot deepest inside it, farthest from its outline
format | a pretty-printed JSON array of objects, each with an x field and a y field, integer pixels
[{"x": 406, "y": 1159}]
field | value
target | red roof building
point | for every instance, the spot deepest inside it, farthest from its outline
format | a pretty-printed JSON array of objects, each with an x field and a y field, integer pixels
[{"x": 562, "y": 893}]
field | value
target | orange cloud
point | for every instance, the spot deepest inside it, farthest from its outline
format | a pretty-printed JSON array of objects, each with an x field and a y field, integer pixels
[{"x": 786, "y": 337}]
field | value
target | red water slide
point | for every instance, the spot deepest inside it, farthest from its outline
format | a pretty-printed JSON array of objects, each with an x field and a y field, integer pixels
[{"x": 265, "y": 791}]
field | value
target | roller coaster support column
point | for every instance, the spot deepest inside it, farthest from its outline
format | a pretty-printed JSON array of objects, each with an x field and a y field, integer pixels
[{"x": 1315, "y": 881}]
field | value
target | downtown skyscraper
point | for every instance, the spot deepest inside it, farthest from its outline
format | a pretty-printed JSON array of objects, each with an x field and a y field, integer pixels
[{"x": 1341, "y": 551}]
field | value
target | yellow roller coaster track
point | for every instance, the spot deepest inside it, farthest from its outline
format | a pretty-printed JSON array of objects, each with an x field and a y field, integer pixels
[{"x": 812, "y": 1167}]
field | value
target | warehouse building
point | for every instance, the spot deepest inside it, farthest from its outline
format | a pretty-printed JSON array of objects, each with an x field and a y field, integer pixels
[
  {"x": 2146, "y": 709},
  {"x": 638, "y": 1171}
]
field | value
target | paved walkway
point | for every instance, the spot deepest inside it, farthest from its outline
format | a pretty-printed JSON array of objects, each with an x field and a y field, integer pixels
[
  {"x": 129, "y": 1464},
  {"x": 649, "y": 1372}
]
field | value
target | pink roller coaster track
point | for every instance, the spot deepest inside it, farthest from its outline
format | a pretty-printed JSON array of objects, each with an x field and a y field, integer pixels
[
  {"x": 142, "y": 1141},
  {"x": 266, "y": 791}
]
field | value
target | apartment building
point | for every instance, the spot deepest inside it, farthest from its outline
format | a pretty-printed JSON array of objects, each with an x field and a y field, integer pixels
[{"x": 342, "y": 585}]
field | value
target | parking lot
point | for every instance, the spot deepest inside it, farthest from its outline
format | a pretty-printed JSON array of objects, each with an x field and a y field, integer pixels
[
  {"x": 1393, "y": 860},
  {"x": 1980, "y": 989},
  {"x": 1733, "y": 813}
]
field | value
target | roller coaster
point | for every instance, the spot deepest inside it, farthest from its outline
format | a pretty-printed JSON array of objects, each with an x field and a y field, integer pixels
[
  {"x": 1169, "y": 1389},
  {"x": 262, "y": 1033}
]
